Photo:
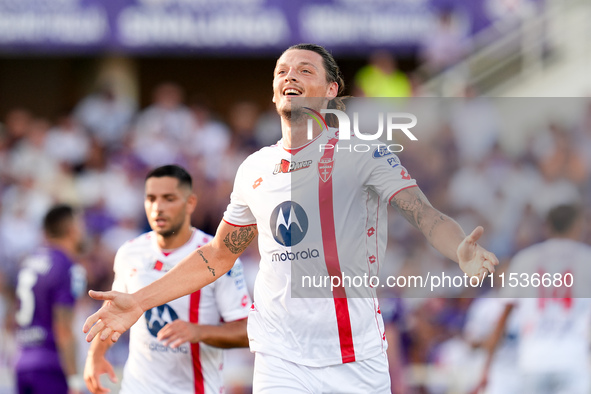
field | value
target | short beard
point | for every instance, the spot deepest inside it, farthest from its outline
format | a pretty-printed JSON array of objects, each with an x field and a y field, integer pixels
[
  {"x": 169, "y": 233},
  {"x": 294, "y": 115}
]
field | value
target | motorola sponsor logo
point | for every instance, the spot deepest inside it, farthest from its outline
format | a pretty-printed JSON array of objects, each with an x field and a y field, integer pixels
[
  {"x": 160, "y": 348},
  {"x": 294, "y": 256},
  {"x": 289, "y": 225},
  {"x": 158, "y": 317}
]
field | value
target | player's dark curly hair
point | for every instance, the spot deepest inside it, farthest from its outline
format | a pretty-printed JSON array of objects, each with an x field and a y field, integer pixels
[{"x": 333, "y": 74}]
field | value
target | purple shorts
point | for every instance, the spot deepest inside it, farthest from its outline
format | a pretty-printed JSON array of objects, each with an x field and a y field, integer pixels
[{"x": 37, "y": 382}]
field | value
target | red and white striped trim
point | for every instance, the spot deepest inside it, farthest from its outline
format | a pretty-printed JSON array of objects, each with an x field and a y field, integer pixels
[
  {"x": 199, "y": 382},
  {"x": 331, "y": 257}
]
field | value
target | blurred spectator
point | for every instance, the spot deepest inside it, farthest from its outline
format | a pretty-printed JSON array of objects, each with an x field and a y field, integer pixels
[
  {"x": 475, "y": 124},
  {"x": 4, "y": 160},
  {"x": 19, "y": 235},
  {"x": 209, "y": 140},
  {"x": 68, "y": 142},
  {"x": 163, "y": 127},
  {"x": 382, "y": 78},
  {"x": 470, "y": 188},
  {"x": 559, "y": 156},
  {"x": 29, "y": 157},
  {"x": 106, "y": 115},
  {"x": 268, "y": 127},
  {"x": 445, "y": 45},
  {"x": 242, "y": 119},
  {"x": 16, "y": 125},
  {"x": 25, "y": 196}
]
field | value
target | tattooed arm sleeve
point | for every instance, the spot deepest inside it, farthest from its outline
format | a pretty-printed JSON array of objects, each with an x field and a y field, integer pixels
[
  {"x": 238, "y": 239},
  {"x": 444, "y": 233}
]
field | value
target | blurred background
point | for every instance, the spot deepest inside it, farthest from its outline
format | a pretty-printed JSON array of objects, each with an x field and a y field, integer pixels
[{"x": 95, "y": 93}]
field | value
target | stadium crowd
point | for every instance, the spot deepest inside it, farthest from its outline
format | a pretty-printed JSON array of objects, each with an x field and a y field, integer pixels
[{"x": 96, "y": 156}]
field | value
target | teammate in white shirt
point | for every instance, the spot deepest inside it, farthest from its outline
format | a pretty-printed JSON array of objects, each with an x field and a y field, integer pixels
[
  {"x": 175, "y": 347},
  {"x": 554, "y": 321},
  {"x": 320, "y": 212},
  {"x": 481, "y": 320}
]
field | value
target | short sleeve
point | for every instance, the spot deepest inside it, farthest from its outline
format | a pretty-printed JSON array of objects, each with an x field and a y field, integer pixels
[
  {"x": 238, "y": 213},
  {"x": 385, "y": 173},
  {"x": 118, "y": 268},
  {"x": 231, "y": 294}
]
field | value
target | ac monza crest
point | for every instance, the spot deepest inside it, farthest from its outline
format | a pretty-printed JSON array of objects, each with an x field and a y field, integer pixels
[{"x": 325, "y": 166}]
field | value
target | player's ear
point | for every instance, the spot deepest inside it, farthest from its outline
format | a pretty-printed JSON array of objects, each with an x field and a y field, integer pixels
[
  {"x": 191, "y": 202},
  {"x": 273, "y": 99},
  {"x": 333, "y": 90}
]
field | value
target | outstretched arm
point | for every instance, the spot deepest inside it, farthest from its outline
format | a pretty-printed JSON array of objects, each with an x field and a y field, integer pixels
[
  {"x": 444, "y": 233},
  {"x": 197, "y": 270}
]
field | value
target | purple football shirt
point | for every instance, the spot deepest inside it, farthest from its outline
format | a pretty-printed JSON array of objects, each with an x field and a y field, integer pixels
[{"x": 46, "y": 279}]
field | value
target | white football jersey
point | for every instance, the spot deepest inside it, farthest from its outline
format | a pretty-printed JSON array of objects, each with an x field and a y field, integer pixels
[
  {"x": 318, "y": 212},
  {"x": 554, "y": 328},
  {"x": 190, "y": 368},
  {"x": 481, "y": 320}
]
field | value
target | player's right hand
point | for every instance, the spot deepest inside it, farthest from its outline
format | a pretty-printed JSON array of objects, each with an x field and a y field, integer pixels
[
  {"x": 117, "y": 315},
  {"x": 93, "y": 369}
]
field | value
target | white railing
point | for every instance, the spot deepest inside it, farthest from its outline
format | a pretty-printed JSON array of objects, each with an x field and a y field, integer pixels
[{"x": 503, "y": 54}]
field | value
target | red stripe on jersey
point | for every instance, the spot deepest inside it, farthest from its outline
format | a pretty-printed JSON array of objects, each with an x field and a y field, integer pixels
[
  {"x": 238, "y": 225},
  {"x": 197, "y": 369},
  {"x": 331, "y": 257}
]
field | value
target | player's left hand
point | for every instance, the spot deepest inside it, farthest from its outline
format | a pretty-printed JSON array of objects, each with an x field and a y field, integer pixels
[
  {"x": 474, "y": 259},
  {"x": 178, "y": 332}
]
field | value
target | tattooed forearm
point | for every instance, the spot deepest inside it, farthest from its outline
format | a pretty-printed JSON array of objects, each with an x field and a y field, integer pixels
[
  {"x": 411, "y": 203},
  {"x": 200, "y": 253},
  {"x": 439, "y": 219},
  {"x": 238, "y": 240},
  {"x": 415, "y": 208}
]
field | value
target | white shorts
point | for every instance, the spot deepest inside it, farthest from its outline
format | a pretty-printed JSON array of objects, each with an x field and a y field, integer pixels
[{"x": 274, "y": 375}]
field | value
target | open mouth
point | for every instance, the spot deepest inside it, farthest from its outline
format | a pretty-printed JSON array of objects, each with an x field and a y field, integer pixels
[{"x": 292, "y": 92}]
